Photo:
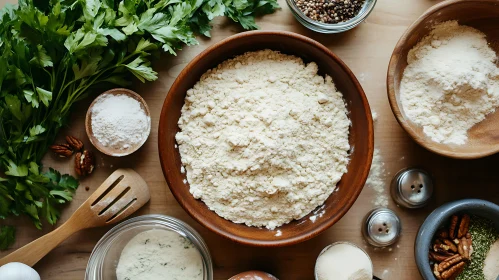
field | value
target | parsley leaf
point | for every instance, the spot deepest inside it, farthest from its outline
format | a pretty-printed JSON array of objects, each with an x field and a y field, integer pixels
[
  {"x": 16, "y": 170},
  {"x": 141, "y": 69},
  {"x": 44, "y": 95},
  {"x": 7, "y": 237},
  {"x": 41, "y": 58}
]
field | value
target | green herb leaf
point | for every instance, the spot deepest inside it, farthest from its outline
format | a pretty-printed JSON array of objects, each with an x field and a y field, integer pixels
[
  {"x": 16, "y": 170},
  {"x": 145, "y": 46},
  {"x": 30, "y": 96},
  {"x": 49, "y": 212},
  {"x": 87, "y": 68},
  {"x": 7, "y": 237},
  {"x": 41, "y": 58},
  {"x": 14, "y": 105},
  {"x": 32, "y": 211},
  {"x": 68, "y": 182},
  {"x": 5, "y": 203},
  {"x": 36, "y": 130},
  {"x": 44, "y": 95},
  {"x": 142, "y": 70},
  {"x": 114, "y": 33},
  {"x": 214, "y": 8}
]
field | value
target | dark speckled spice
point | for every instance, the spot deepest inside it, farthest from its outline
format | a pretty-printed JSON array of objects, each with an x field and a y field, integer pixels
[{"x": 330, "y": 11}]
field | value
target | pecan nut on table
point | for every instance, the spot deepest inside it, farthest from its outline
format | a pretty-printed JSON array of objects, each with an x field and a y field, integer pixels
[
  {"x": 84, "y": 163},
  {"x": 62, "y": 150},
  {"x": 452, "y": 249},
  {"x": 74, "y": 142},
  {"x": 67, "y": 149}
]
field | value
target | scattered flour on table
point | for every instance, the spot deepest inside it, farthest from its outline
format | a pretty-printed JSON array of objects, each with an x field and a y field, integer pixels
[
  {"x": 377, "y": 175},
  {"x": 491, "y": 265},
  {"x": 374, "y": 116},
  {"x": 156, "y": 254},
  {"x": 119, "y": 122},
  {"x": 264, "y": 138},
  {"x": 450, "y": 83},
  {"x": 376, "y": 180}
]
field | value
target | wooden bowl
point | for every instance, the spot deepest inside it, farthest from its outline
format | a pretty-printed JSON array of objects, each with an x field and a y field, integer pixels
[
  {"x": 361, "y": 136},
  {"x": 88, "y": 124},
  {"x": 483, "y": 138}
]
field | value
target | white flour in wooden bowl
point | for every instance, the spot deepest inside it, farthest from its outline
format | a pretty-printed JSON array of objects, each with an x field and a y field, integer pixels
[
  {"x": 451, "y": 82},
  {"x": 264, "y": 138}
]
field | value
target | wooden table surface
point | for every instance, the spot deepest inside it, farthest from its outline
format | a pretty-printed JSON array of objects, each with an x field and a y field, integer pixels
[{"x": 366, "y": 50}]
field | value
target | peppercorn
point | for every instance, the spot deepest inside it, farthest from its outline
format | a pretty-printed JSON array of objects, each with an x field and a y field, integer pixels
[{"x": 330, "y": 11}]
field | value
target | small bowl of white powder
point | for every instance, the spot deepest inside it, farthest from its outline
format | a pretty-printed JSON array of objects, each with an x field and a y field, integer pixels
[
  {"x": 343, "y": 261},
  {"x": 118, "y": 122},
  {"x": 149, "y": 247}
]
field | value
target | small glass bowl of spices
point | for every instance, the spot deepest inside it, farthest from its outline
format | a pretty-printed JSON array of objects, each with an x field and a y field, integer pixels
[
  {"x": 331, "y": 16},
  {"x": 150, "y": 247}
]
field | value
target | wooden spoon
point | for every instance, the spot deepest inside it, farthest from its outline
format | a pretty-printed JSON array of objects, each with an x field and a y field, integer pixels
[{"x": 121, "y": 194}]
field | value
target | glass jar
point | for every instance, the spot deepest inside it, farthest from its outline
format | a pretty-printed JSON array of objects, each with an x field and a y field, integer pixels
[{"x": 106, "y": 254}]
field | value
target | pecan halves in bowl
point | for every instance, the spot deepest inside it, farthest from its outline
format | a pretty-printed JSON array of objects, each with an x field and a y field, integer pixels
[
  {"x": 449, "y": 262},
  {"x": 453, "y": 271},
  {"x": 464, "y": 226},
  {"x": 459, "y": 226},
  {"x": 450, "y": 268},
  {"x": 451, "y": 248},
  {"x": 454, "y": 223},
  {"x": 465, "y": 248},
  {"x": 449, "y": 245},
  {"x": 439, "y": 257}
]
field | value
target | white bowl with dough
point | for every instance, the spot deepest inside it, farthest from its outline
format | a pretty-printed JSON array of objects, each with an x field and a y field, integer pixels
[{"x": 106, "y": 254}]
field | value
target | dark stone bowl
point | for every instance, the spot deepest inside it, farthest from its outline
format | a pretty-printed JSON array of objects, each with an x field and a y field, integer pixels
[{"x": 438, "y": 218}]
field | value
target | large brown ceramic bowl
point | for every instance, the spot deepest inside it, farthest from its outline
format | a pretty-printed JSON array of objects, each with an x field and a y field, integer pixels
[
  {"x": 361, "y": 137},
  {"x": 483, "y": 138}
]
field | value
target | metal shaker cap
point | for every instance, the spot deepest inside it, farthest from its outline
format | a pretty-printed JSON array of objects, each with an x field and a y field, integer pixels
[
  {"x": 412, "y": 188},
  {"x": 381, "y": 227}
]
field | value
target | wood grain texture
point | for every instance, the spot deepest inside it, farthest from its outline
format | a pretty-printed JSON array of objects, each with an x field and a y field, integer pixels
[
  {"x": 366, "y": 50},
  {"x": 120, "y": 195},
  {"x": 480, "y": 14},
  {"x": 360, "y": 138}
]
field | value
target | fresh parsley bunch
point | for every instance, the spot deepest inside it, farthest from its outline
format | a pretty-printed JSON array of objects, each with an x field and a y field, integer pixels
[{"x": 53, "y": 53}]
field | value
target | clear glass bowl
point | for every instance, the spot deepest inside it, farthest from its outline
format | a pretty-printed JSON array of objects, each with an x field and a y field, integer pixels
[
  {"x": 106, "y": 254},
  {"x": 332, "y": 27}
]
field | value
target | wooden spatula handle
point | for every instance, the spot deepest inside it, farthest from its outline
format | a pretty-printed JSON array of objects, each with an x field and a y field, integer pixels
[{"x": 34, "y": 251}]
